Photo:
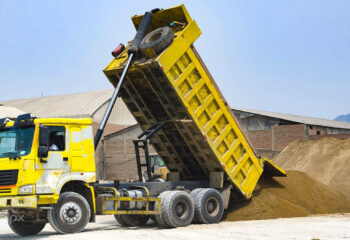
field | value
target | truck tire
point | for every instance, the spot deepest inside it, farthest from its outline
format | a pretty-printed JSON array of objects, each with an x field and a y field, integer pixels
[
  {"x": 120, "y": 220},
  {"x": 209, "y": 206},
  {"x": 24, "y": 228},
  {"x": 193, "y": 195},
  {"x": 178, "y": 209},
  {"x": 133, "y": 220},
  {"x": 158, "y": 39},
  {"x": 159, "y": 218},
  {"x": 71, "y": 214}
]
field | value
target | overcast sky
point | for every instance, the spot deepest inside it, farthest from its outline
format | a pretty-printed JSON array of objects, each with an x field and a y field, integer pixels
[{"x": 282, "y": 56}]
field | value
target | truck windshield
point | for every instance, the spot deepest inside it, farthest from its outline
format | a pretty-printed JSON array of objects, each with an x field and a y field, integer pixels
[{"x": 16, "y": 142}]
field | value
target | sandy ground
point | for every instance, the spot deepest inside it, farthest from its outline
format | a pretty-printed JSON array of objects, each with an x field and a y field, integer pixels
[{"x": 317, "y": 227}]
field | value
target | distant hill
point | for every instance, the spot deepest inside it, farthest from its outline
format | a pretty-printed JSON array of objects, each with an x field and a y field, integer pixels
[{"x": 343, "y": 118}]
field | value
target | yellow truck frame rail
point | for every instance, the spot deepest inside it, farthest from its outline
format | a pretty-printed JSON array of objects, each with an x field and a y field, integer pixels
[{"x": 117, "y": 199}]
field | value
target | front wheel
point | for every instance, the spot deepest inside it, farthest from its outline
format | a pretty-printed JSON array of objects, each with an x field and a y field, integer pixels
[
  {"x": 71, "y": 214},
  {"x": 20, "y": 226}
]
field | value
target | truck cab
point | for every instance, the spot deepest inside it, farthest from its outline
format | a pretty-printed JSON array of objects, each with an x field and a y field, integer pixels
[{"x": 40, "y": 159}]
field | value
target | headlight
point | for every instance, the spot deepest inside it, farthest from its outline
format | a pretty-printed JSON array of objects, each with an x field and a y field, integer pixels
[{"x": 26, "y": 189}]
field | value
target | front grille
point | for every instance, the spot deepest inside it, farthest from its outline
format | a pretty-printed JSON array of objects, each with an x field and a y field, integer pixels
[{"x": 8, "y": 177}]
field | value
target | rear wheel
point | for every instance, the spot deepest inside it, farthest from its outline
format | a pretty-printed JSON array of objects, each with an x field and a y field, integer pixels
[
  {"x": 71, "y": 214},
  {"x": 159, "y": 217},
  {"x": 193, "y": 195},
  {"x": 178, "y": 209},
  {"x": 20, "y": 226},
  {"x": 120, "y": 220},
  {"x": 209, "y": 206}
]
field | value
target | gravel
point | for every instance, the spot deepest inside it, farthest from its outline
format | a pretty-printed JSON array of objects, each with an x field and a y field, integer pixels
[{"x": 315, "y": 227}]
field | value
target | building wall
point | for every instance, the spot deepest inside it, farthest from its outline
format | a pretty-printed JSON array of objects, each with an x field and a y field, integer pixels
[
  {"x": 337, "y": 131},
  {"x": 285, "y": 134},
  {"x": 271, "y": 142},
  {"x": 110, "y": 128},
  {"x": 119, "y": 155},
  {"x": 261, "y": 139},
  {"x": 317, "y": 130}
]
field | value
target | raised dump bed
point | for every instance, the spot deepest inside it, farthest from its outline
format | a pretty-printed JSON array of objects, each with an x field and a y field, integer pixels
[{"x": 201, "y": 138}]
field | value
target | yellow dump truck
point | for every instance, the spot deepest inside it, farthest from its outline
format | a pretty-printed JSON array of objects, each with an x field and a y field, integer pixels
[{"x": 47, "y": 167}]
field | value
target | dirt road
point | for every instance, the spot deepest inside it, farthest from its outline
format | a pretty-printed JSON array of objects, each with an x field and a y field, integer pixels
[{"x": 317, "y": 227}]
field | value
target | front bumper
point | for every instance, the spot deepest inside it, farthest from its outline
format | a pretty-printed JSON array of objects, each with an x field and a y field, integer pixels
[{"x": 7, "y": 202}]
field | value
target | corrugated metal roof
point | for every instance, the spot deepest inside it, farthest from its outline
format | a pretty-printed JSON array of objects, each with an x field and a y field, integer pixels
[
  {"x": 77, "y": 105},
  {"x": 69, "y": 105},
  {"x": 9, "y": 112},
  {"x": 298, "y": 119}
]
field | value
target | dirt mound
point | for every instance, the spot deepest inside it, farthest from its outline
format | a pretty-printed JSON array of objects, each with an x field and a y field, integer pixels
[
  {"x": 296, "y": 195},
  {"x": 326, "y": 160}
]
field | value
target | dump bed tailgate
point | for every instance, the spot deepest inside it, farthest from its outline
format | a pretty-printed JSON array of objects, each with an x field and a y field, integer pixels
[{"x": 201, "y": 134}]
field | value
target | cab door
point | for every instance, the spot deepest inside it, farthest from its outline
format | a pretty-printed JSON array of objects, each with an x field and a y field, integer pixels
[
  {"x": 57, "y": 162},
  {"x": 76, "y": 149}
]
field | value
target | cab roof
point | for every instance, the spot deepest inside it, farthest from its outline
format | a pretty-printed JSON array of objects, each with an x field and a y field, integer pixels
[{"x": 76, "y": 121}]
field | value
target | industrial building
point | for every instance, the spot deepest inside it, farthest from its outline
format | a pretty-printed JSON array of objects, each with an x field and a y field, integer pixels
[{"x": 271, "y": 132}]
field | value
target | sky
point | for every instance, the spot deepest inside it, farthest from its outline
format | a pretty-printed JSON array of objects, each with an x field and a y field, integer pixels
[{"x": 280, "y": 56}]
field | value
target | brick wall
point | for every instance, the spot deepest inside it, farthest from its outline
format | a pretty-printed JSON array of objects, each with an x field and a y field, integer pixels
[
  {"x": 271, "y": 142},
  {"x": 260, "y": 139},
  {"x": 110, "y": 128},
  {"x": 119, "y": 155},
  {"x": 317, "y": 130},
  {"x": 284, "y": 134}
]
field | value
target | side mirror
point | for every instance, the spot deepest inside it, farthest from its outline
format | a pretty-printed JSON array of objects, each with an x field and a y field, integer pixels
[{"x": 44, "y": 134}]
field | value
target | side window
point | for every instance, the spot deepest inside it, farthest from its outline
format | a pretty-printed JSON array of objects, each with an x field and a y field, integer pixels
[{"x": 57, "y": 139}]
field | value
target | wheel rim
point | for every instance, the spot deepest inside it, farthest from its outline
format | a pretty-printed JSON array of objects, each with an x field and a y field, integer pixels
[
  {"x": 70, "y": 212},
  {"x": 212, "y": 206},
  {"x": 181, "y": 209}
]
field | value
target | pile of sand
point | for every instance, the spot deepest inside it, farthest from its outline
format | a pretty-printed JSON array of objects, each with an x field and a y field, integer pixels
[
  {"x": 296, "y": 195},
  {"x": 326, "y": 160}
]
